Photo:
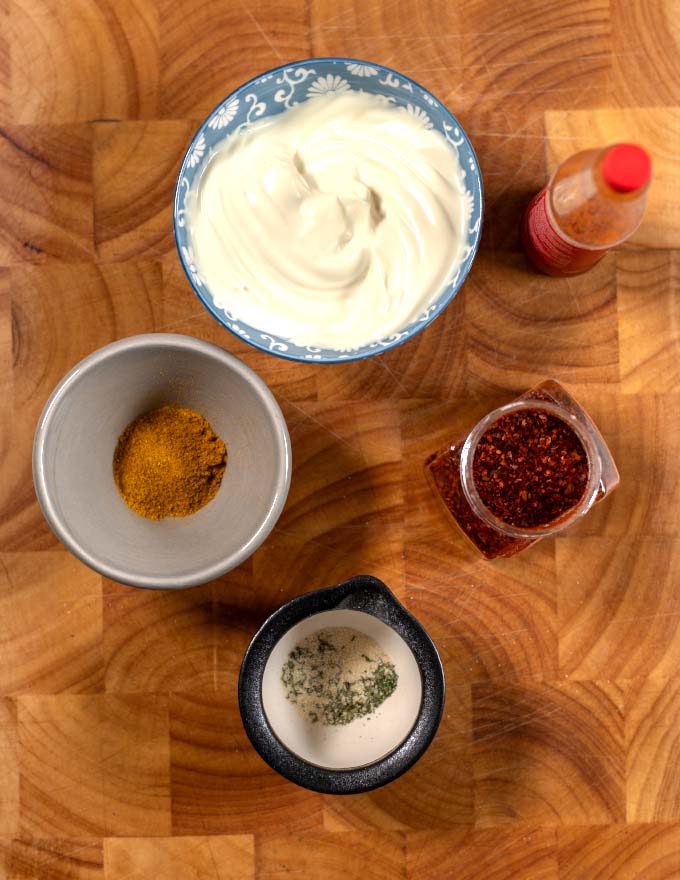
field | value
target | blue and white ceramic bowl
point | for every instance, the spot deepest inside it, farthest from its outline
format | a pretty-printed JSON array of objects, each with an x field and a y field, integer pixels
[{"x": 278, "y": 90}]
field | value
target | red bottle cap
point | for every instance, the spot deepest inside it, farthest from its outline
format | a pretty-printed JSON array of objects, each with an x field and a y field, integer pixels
[{"x": 626, "y": 167}]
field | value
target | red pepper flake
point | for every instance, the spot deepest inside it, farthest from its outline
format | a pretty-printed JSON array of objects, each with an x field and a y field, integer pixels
[
  {"x": 530, "y": 468},
  {"x": 444, "y": 471}
]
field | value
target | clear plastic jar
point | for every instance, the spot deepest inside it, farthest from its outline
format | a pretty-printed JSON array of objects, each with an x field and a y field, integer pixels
[{"x": 450, "y": 472}]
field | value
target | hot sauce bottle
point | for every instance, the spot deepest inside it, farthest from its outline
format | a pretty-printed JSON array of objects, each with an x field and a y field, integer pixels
[{"x": 593, "y": 202}]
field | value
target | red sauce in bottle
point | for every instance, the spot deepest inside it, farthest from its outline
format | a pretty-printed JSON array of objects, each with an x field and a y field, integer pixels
[{"x": 594, "y": 201}]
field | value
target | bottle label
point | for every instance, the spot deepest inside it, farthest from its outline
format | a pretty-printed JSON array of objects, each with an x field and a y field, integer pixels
[{"x": 547, "y": 247}]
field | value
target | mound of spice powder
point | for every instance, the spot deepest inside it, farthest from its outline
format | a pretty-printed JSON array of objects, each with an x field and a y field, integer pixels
[
  {"x": 530, "y": 468},
  {"x": 168, "y": 462},
  {"x": 338, "y": 674}
]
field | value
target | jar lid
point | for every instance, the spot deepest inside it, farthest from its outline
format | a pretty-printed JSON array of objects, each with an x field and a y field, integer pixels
[{"x": 626, "y": 167}]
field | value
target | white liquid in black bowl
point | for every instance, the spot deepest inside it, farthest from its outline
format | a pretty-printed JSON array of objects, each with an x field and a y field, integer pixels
[{"x": 364, "y": 740}]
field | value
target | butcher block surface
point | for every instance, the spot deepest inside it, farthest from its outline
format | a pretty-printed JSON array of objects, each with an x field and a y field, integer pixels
[{"x": 122, "y": 754}]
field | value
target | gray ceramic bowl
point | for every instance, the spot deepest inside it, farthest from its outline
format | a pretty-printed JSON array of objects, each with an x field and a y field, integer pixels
[{"x": 77, "y": 435}]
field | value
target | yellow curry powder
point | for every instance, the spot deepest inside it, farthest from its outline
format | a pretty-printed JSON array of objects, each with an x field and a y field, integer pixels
[{"x": 169, "y": 462}]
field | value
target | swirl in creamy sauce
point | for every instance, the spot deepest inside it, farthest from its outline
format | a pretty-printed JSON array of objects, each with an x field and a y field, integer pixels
[{"x": 333, "y": 224}]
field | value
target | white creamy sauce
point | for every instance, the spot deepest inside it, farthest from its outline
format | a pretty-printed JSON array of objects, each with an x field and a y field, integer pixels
[
  {"x": 333, "y": 224},
  {"x": 364, "y": 740}
]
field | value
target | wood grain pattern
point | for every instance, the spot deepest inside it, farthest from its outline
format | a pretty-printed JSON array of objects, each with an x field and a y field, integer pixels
[
  {"x": 528, "y": 853},
  {"x": 647, "y": 286},
  {"x": 383, "y": 32},
  {"x": 52, "y": 859},
  {"x": 535, "y": 54},
  {"x": 561, "y": 334},
  {"x": 9, "y": 768},
  {"x": 84, "y": 60},
  {"x": 652, "y": 33},
  {"x": 620, "y": 852},
  {"x": 182, "y": 858},
  {"x": 46, "y": 180},
  {"x": 652, "y": 748},
  {"x": 354, "y": 856},
  {"x": 219, "y": 784},
  {"x": 550, "y": 754},
  {"x": 94, "y": 765},
  {"x": 622, "y": 594},
  {"x": 122, "y": 755},
  {"x": 208, "y": 49},
  {"x": 65, "y": 655},
  {"x": 133, "y": 210}
]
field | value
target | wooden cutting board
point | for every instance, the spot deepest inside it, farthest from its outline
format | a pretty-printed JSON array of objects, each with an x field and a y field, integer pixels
[{"x": 121, "y": 749}]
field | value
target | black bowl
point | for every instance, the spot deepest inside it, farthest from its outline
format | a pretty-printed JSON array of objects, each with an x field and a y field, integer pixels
[{"x": 361, "y": 593}]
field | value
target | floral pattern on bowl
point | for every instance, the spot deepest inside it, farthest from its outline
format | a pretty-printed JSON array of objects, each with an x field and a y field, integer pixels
[{"x": 278, "y": 90}]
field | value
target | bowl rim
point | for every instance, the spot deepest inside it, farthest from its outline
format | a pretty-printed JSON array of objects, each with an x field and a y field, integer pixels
[
  {"x": 360, "y": 593},
  {"x": 348, "y": 357},
  {"x": 173, "y": 341}
]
